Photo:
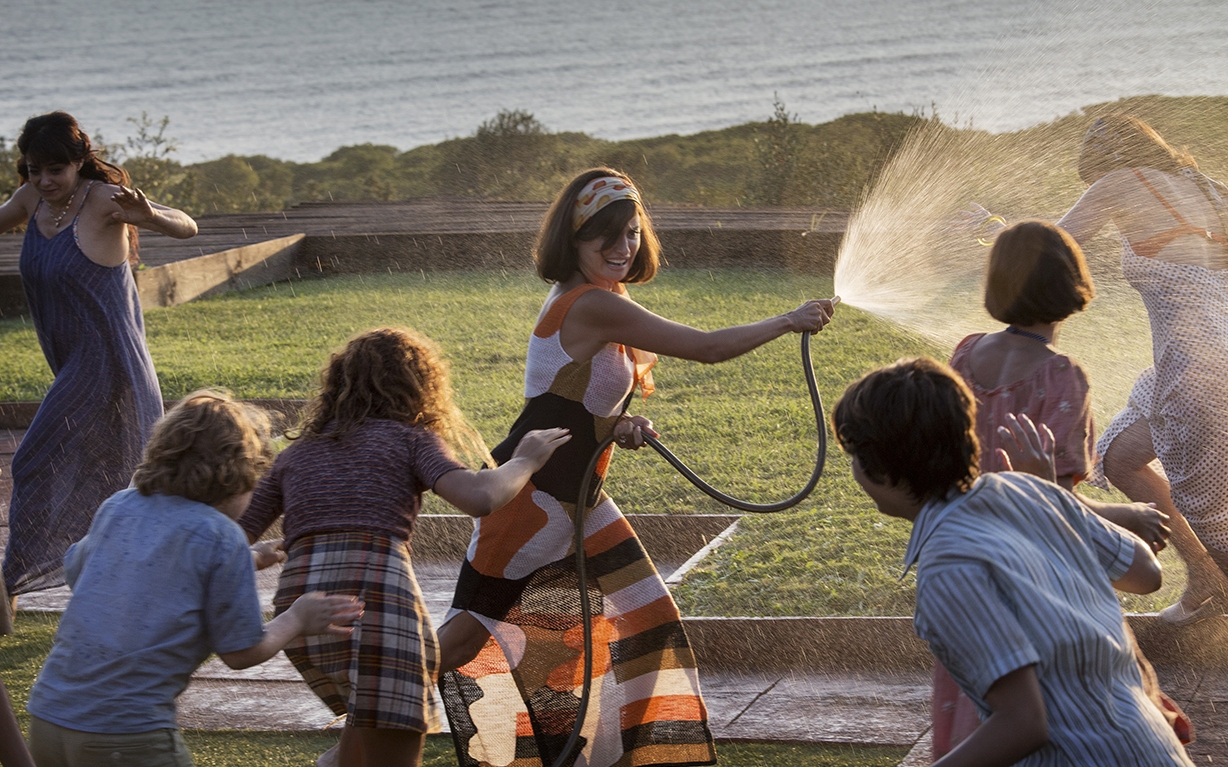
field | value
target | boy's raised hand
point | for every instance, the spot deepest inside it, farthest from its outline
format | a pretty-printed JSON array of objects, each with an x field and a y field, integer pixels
[
  {"x": 537, "y": 446},
  {"x": 321, "y": 613},
  {"x": 267, "y": 553},
  {"x": 1027, "y": 448}
]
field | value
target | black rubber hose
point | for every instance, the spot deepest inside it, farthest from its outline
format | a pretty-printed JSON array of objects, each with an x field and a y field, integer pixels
[{"x": 566, "y": 757}]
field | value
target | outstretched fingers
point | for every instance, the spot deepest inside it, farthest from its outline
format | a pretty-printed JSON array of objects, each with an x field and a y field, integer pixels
[
  {"x": 1027, "y": 447},
  {"x": 134, "y": 206},
  {"x": 538, "y": 445},
  {"x": 328, "y": 613}
]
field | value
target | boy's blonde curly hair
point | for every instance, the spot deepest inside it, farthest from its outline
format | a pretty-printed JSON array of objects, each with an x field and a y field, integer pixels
[
  {"x": 392, "y": 373},
  {"x": 208, "y": 448}
]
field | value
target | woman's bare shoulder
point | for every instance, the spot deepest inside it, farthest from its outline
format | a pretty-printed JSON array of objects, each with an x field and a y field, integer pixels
[
  {"x": 18, "y": 208},
  {"x": 26, "y": 197},
  {"x": 602, "y": 303},
  {"x": 102, "y": 192}
]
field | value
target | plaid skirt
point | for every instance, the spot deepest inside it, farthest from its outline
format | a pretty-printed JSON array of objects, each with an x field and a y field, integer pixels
[{"x": 383, "y": 674}]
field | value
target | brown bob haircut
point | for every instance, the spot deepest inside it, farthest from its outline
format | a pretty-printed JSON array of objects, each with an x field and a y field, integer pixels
[
  {"x": 1121, "y": 141},
  {"x": 555, "y": 254},
  {"x": 913, "y": 423},
  {"x": 1036, "y": 274},
  {"x": 208, "y": 448}
]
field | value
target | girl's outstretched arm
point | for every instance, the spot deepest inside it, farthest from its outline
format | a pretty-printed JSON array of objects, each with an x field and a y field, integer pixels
[
  {"x": 600, "y": 317},
  {"x": 478, "y": 493},
  {"x": 311, "y": 614},
  {"x": 1094, "y": 210}
]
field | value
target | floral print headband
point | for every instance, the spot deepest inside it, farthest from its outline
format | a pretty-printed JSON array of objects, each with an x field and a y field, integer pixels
[{"x": 599, "y": 193}]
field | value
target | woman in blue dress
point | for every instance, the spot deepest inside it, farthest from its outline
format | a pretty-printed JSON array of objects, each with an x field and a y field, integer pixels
[{"x": 87, "y": 436}]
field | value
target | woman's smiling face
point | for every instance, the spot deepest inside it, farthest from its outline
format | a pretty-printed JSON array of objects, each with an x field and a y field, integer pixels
[
  {"x": 55, "y": 181},
  {"x": 610, "y": 266}
]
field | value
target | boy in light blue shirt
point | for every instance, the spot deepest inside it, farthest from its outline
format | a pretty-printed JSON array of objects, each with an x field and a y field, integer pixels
[
  {"x": 163, "y": 579},
  {"x": 1015, "y": 580}
]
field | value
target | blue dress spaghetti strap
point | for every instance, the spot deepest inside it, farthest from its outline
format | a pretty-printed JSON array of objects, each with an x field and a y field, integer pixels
[{"x": 89, "y": 432}]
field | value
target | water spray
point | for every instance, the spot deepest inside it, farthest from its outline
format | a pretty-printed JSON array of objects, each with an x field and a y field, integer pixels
[{"x": 566, "y": 756}]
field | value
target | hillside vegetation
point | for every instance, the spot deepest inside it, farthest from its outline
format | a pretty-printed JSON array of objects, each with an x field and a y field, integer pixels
[{"x": 512, "y": 156}]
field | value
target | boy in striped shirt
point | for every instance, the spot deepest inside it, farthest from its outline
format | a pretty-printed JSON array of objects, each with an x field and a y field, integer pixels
[{"x": 1015, "y": 580}]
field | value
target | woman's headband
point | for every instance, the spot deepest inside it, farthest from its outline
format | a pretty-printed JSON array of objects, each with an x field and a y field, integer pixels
[{"x": 599, "y": 193}]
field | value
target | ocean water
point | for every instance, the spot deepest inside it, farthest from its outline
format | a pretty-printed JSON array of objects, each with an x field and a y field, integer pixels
[{"x": 296, "y": 79}]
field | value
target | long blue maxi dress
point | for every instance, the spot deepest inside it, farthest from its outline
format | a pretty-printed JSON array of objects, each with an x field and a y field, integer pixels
[{"x": 87, "y": 437}]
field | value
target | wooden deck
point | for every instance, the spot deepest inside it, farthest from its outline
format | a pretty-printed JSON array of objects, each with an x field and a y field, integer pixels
[{"x": 433, "y": 216}]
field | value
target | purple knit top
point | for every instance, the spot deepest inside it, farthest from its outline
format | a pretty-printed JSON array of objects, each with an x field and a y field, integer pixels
[{"x": 370, "y": 480}]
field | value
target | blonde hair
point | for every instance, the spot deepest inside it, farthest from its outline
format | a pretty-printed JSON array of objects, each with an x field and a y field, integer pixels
[
  {"x": 1121, "y": 141},
  {"x": 208, "y": 448},
  {"x": 392, "y": 373}
]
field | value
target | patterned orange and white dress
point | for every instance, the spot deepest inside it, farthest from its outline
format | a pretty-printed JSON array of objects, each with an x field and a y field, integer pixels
[{"x": 517, "y": 701}]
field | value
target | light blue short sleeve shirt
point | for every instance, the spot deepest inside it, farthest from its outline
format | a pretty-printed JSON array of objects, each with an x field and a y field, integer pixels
[
  {"x": 1017, "y": 572},
  {"x": 159, "y": 583}
]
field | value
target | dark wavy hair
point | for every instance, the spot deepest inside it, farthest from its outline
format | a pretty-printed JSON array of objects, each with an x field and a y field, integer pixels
[
  {"x": 391, "y": 373},
  {"x": 556, "y": 255},
  {"x": 56, "y": 139},
  {"x": 1036, "y": 274},
  {"x": 914, "y": 423}
]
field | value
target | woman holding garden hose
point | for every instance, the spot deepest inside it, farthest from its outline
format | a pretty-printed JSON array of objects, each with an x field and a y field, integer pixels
[{"x": 510, "y": 646}]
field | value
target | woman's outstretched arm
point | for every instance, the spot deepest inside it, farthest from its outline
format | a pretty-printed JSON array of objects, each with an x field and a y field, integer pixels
[
  {"x": 1095, "y": 209},
  {"x": 17, "y": 209},
  {"x": 599, "y": 317},
  {"x": 136, "y": 209}
]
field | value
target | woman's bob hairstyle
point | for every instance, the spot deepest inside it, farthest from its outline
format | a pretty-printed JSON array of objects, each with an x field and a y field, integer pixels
[
  {"x": 1036, "y": 275},
  {"x": 556, "y": 255}
]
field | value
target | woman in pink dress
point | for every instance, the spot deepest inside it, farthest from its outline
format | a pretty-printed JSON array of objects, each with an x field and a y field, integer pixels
[{"x": 1036, "y": 278}]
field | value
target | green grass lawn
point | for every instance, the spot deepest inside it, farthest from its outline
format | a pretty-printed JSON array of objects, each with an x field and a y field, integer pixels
[
  {"x": 22, "y": 654},
  {"x": 274, "y": 749},
  {"x": 745, "y": 425}
]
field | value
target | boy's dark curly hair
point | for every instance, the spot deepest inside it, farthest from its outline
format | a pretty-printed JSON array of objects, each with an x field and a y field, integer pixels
[{"x": 913, "y": 423}]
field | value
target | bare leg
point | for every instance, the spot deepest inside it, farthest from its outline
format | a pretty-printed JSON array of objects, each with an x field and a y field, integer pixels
[
  {"x": 461, "y": 638},
  {"x": 365, "y": 747},
  {"x": 8, "y": 610},
  {"x": 331, "y": 757},
  {"x": 1127, "y": 465},
  {"x": 349, "y": 750},
  {"x": 13, "y": 750}
]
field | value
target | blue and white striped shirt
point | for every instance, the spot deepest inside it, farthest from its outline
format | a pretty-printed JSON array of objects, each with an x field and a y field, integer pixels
[{"x": 1016, "y": 572}]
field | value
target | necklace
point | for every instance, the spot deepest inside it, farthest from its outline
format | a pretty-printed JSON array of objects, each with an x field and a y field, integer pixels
[
  {"x": 55, "y": 222},
  {"x": 1027, "y": 334}
]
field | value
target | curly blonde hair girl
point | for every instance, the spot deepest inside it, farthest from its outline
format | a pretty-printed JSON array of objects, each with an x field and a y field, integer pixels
[{"x": 392, "y": 373}]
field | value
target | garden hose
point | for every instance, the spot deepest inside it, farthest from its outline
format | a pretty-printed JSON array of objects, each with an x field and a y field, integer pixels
[{"x": 566, "y": 756}]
